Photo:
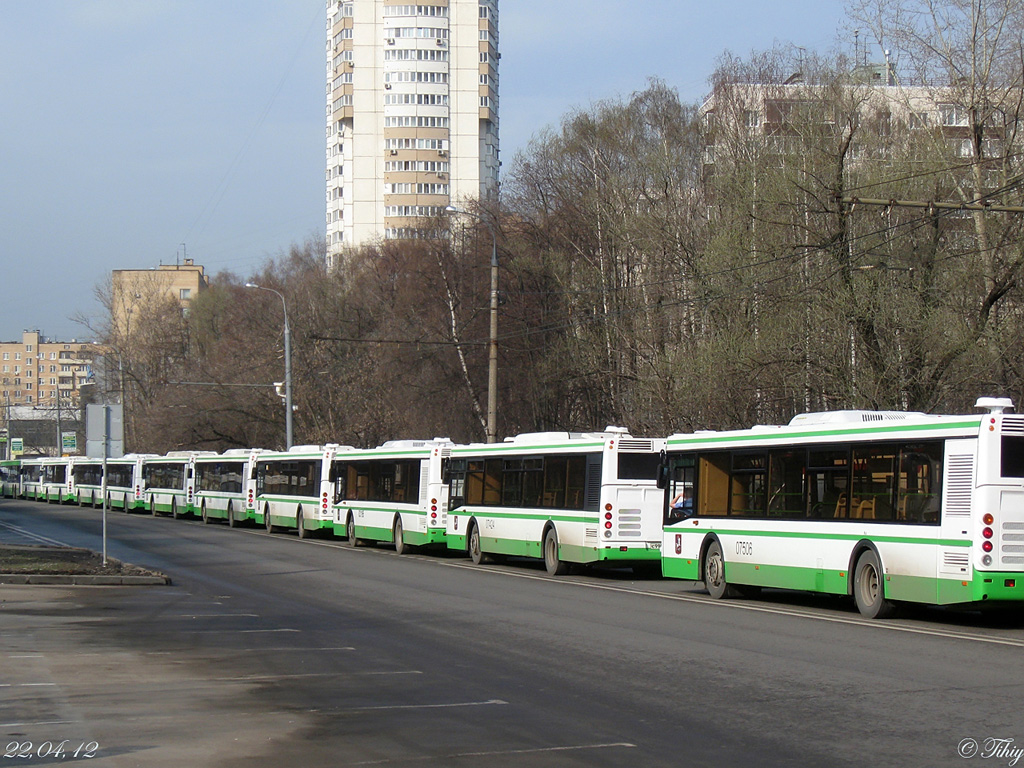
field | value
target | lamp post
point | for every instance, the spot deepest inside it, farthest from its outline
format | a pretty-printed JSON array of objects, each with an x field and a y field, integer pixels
[
  {"x": 492, "y": 365},
  {"x": 287, "y": 365}
]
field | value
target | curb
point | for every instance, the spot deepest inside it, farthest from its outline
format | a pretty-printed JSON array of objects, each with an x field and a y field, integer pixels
[{"x": 83, "y": 580}]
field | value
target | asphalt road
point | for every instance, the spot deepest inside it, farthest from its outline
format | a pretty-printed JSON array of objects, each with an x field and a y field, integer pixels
[{"x": 270, "y": 651}]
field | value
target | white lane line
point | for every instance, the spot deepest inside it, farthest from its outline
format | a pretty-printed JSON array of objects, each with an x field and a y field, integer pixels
[
  {"x": 26, "y": 685},
  {"x": 456, "y": 705},
  {"x": 497, "y": 753},
  {"x": 297, "y": 649},
  {"x": 45, "y": 722},
  {"x": 216, "y": 616},
  {"x": 35, "y": 536},
  {"x": 742, "y": 606},
  {"x": 259, "y": 678},
  {"x": 254, "y": 631}
]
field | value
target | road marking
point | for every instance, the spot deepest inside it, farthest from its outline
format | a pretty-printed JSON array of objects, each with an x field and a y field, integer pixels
[
  {"x": 25, "y": 685},
  {"x": 258, "y": 678},
  {"x": 254, "y": 631},
  {"x": 45, "y": 722},
  {"x": 739, "y": 605},
  {"x": 35, "y": 536},
  {"x": 489, "y": 702},
  {"x": 537, "y": 750}
]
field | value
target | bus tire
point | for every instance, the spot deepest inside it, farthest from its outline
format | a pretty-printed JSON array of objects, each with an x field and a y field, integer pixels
[
  {"x": 869, "y": 587},
  {"x": 713, "y": 571},
  {"x": 203, "y": 514},
  {"x": 267, "y": 519},
  {"x": 231, "y": 516},
  {"x": 300, "y": 523},
  {"x": 174, "y": 509},
  {"x": 401, "y": 547},
  {"x": 476, "y": 553},
  {"x": 552, "y": 563},
  {"x": 350, "y": 532}
]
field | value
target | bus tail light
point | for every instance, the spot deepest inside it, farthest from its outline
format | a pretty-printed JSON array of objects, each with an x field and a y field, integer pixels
[
  {"x": 986, "y": 546},
  {"x": 988, "y": 519},
  {"x": 987, "y": 533}
]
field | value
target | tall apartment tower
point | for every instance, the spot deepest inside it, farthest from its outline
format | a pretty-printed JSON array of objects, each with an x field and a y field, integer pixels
[{"x": 412, "y": 115}]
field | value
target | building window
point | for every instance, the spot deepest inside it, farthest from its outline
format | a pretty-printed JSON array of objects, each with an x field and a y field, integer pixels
[
  {"x": 185, "y": 294},
  {"x": 953, "y": 115}
]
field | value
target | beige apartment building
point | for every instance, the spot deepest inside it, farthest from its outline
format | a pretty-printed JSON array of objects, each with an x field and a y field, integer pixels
[
  {"x": 412, "y": 115},
  {"x": 135, "y": 289},
  {"x": 42, "y": 373}
]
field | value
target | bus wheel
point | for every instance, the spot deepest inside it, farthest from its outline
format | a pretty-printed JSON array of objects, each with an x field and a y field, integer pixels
[
  {"x": 476, "y": 553},
  {"x": 300, "y": 524},
  {"x": 714, "y": 573},
  {"x": 350, "y": 531},
  {"x": 267, "y": 520},
  {"x": 869, "y": 589},
  {"x": 554, "y": 566},
  {"x": 202, "y": 513},
  {"x": 231, "y": 516},
  {"x": 399, "y": 530}
]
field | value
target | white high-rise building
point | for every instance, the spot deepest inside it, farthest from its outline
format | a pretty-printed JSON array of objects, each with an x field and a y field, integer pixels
[{"x": 412, "y": 114}]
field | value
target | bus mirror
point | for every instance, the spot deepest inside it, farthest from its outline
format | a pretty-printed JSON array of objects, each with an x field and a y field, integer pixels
[{"x": 663, "y": 475}]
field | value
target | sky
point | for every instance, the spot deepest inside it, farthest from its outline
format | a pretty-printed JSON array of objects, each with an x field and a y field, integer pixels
[{"x": 138, "y": 132}]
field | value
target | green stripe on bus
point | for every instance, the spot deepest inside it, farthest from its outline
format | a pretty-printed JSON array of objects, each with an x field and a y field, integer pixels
[
  {"x": 824, "y": 536},
  {"x": 782, "y": 434},
  {"x": 523, "y": 449}
]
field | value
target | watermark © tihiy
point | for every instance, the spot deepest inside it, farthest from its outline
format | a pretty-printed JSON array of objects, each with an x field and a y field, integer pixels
[{"x": 991, "y": 748}]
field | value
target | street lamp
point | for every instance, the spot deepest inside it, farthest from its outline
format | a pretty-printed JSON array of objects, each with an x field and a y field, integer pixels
[
  {"x": 492, "y": 367},
  {"x": 287, "y": 365}
]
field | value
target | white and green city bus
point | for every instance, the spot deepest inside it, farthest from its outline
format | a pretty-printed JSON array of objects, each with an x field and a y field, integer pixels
[
  {"x": 563, "y": 497},
  {"x": 10, "y": 478},
  {"x": 169, "y": 483},
  {"x": 220, "y": 484},
  {"x": 882, "y": 506},
  {"x": 293, "y": 489},
  {"x": 32, "y": 478},
  {"x": 394, "y": 493},
  {"x": 43, "y": 478},
  {"x": 54, "y": 479},
  {"x": 86, "y": 477}
]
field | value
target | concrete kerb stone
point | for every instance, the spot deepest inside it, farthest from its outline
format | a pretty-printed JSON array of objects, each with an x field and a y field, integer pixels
[{"x": 83, "y": 580}]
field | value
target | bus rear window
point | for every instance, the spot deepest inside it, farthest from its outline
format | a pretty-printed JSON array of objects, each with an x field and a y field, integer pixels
[
  {"x": 639, "y": 466},
  {"x": 1012, "y": 464}
]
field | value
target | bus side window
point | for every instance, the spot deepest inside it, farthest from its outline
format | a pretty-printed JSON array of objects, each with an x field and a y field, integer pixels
[{"x": 681, "y": 487}]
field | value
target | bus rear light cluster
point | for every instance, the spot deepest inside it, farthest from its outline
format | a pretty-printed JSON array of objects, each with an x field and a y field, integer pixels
[
  {"x": 324, "y": 503},
  {"x": 250, "y": 503},
  {"x": 138, "y": 492}
]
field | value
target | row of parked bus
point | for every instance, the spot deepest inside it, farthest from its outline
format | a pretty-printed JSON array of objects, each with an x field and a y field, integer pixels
[{"x": 883, "y": 506}]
